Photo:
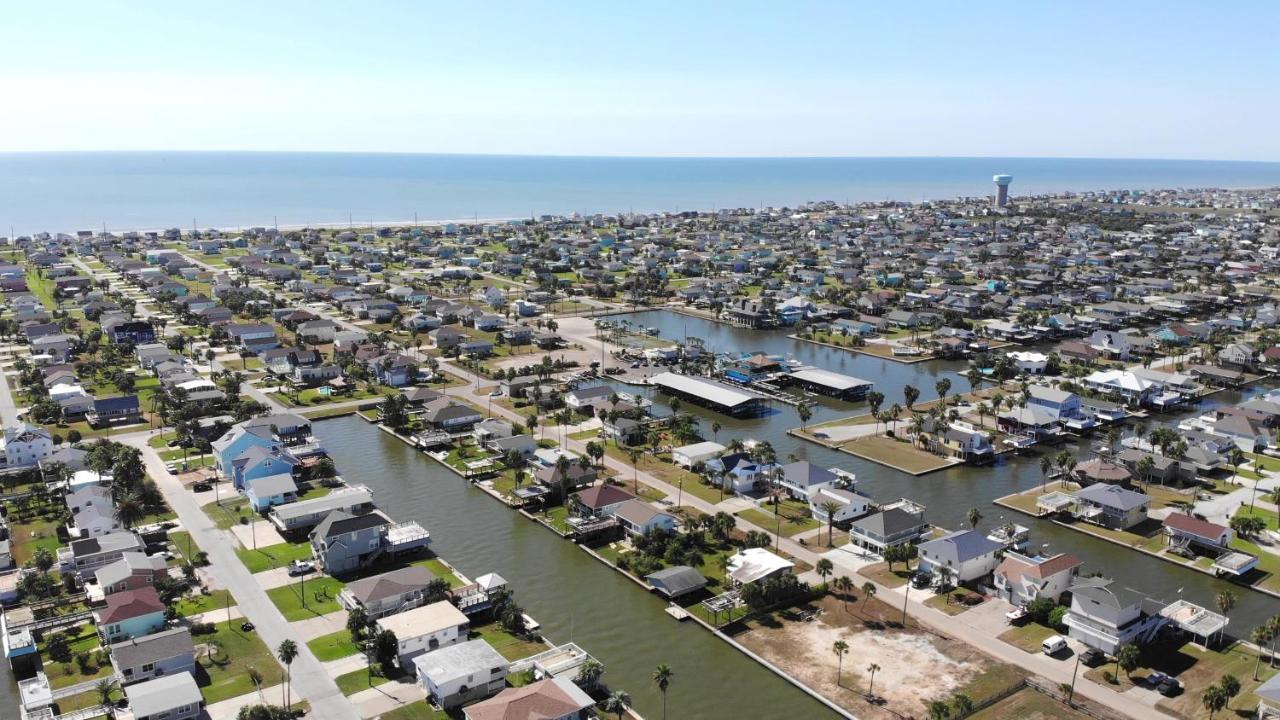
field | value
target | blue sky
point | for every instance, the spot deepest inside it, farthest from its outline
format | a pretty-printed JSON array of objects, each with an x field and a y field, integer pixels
[{"x": 1071, "y": 79}]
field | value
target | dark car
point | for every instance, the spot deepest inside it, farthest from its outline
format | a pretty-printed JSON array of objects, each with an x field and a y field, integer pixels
[
  {"x": 1169, "y": 687},
  {"x": 202, "y": 487},
  {"x": 921, "y": 580},
  {"x": 1092, "y": 657}
]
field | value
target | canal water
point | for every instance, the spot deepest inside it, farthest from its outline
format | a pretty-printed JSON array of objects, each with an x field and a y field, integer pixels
[
  {"x": 947, "y": 494},
  {"x": 572, "y": 595}
]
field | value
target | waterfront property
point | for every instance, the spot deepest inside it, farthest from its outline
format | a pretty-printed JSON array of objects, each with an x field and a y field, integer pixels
[
  {"x": 964, "y": 555},
  {"x": 896, "y": 524},
  {"x": 714, "y": 394},
  {"x": 461, "y": 673}
]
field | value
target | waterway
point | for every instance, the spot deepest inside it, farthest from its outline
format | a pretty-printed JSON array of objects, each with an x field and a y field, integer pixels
[
  {"x": 947, "y": 494},
  {"x": 571, "y": 594}
]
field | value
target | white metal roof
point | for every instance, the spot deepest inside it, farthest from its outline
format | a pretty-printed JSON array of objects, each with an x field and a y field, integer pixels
[
  {"x": 830, "y": 379},
  {"x": 716, "y": 392}
]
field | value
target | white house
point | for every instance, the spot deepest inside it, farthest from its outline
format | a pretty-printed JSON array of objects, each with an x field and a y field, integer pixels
[
  {"x": 751, "y": 565},
  {"x": 849, "y": 504},
  {"x": 1031, "y": 363},
  {"x": 963, "y": 555},
  {"x": 424, "y": 629},
  {"x": 638, "y": 517},
  {"x": 1105, "y": 615},
  {"x": 462, "y": 673},
  {"x": 1019, "y": 578},
  {"x": 690, "y": 455},
  {"x": 25, "y": 445}
]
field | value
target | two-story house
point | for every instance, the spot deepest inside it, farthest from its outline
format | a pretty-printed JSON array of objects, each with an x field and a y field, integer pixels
[
  {"x": 387, "y": 593},
  {"x": 962, "y": 555},
  {"x": 130, "y": 614},
  {"x": 343, "y": 543},
  {"x": 425, "y": 629},
  {"x": 139, "y": 659},
  {"x": 1019, "y": 578}
]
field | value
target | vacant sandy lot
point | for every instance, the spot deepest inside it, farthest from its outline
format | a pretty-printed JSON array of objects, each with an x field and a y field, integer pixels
[{"x": 915, "y": 667}]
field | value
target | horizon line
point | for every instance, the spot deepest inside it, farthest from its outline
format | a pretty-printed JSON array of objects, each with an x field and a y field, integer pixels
[{"x": 632, "y": 157}]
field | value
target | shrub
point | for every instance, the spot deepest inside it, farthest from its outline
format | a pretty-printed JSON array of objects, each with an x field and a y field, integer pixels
[{"x": 203, "y": 628}]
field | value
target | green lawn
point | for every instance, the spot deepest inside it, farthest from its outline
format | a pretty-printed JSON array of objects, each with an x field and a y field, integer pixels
[
  {"x": 273, "y": 556},
  {"x": 357, "y": 680},
  {"x": 510, "y": 646},
  {"x": 65, "y": 674},
  {"x": 227, "y": 513},
  {"x": 27, "y": 538},
  {"x": 198, "y": 603},
  {"x": 321, "y": 597},
  {"x": 439, "y": 569},
  {"x": 333, "y": 646},
  {"x": 225, "y": 674},
  {"x": 1263, "y": 461},
  {"x": 86, "y": 699},
  {"x": 186, "y": 547},
  {"x": 791, "y": 523},
  {"x": 1028, "y": 637}
]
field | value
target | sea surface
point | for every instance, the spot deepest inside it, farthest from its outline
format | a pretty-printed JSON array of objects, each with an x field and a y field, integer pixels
[{"x": 140, "y": 191}]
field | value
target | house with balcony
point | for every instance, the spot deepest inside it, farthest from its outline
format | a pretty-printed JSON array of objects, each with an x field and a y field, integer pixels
[
  {"x": 133, "y": 571},
  {"x": 1105, "y": 615},
  {"x": 638, "y": 518},
  {"x": 92, "y": 511},
  {"x": 899, "y": 524},
  {"x": 267, "y": 491},
  {"x": 1111, "y": 506},
  {"x": 963, "y": 555},
  {"x": 302, "y": 515},
  {"x": 86, "y": 556},
  {"x": 343, "y": 543},
  {"x": 387, "y": 593},
  {"x": 1066, "y": 407},
  {"x": 168, "y": 652},
  {"x": 461, "y": 673},
  {"x": 556, "y": 698},
  {"x": 281, "y": 430},
  {"x": 1021, "y": 578},
  {"x": 425, "y": 629},
  {"x": 130, "y": 614}
]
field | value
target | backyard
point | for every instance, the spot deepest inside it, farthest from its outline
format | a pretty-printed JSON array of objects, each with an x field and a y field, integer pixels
[
  {"x": 315, "y": 596},
  {"x": 223, "y": 661}
]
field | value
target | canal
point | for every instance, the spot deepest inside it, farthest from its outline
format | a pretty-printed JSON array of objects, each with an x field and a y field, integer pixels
[
  {"x": 947, "y": 494},
  {"x": 571, "y": 594}
]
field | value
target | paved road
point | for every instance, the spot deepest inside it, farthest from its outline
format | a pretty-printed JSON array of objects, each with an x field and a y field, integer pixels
[{"x": 310, "y": 681}]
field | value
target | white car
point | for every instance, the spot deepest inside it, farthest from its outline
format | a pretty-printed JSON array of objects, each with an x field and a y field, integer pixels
[{"x": 300, "y": 567}]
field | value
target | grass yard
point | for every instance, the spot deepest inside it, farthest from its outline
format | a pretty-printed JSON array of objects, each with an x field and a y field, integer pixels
[
  {"x": 357, "y": 680},
  {"x": 333, "y": 646},
  {"x": 83, "y": 700},
  {"x": 510, "y": 646},
  {"x": 792, "y": 521},
  {"x": 321, "y": 598},
  {"x": 66, "y": 674},
  {"x": 185, "y": 546},
  {"x": 1028, "y": 637},
  {"x": 898, "y": 455},
  {"x": 227, "y": 513},
  {"x": 954, "y": 602},
  {"x": 880, "y": 573},
  {"x": 437, "y": 566},
  {"x": 27, "y": 538},
  {"x": 273, "y": 556},
  {"x": 199, "y": 603},
  {"x": 1207, "y": 666},
  {"x": 1027, "y": 704},
  {"x": 225, "y": 673}
]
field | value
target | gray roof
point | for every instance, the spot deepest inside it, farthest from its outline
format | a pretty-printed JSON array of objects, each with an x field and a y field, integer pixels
[
  {"x": 1113, "y": 496},
  {"x": 269, "y": 485},
  {"x": 805, "y": 474},
  {"x": 474, "y": 657},
  {"x": 960, "y": 545},
  {"x": 889, "y": 522},
  {"x": 111, "y": 542},
  {"x": 341, "y": 523},
  {"x": 152, "y": 648},
  {"x": 1105, "y": 592},
  {"x": 676, "y": 580},
  {"x": 355, "y": 495},
  {"x": 390, "y": 584},
  {"x": 164, "y": 693}
]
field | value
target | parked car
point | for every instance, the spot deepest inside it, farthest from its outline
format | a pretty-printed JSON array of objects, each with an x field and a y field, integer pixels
[
  {"x": 1092, "y": 657},
  {"x": 921, "y": 580},
  {"x": 300, "y": 567},
  {"x": 1053, "y": 645},
  {"x": 201, "y": 486},
  {"x": 1169, "y": 687},
  {"x": 1016, "y": 616}
]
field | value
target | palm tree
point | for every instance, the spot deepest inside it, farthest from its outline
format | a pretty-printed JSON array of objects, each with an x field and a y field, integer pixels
[
  {"x": 868, "y": 592},
  {"x": 871, "y": 683},
  {"x": 105, "y": 689},
  {"x": 839, "y": 647},
  {"x": 1259, "y": 637},
  {"x": 1127, "y": 658},
  {"x": 963, "y": 704},
  {"x": 1046, "y": 466},
  {"x": 1214, "y": 699},
  {"x": 805, "y": 413},
  {"x": 618, "y": 703},
  {"x": 287, "y": 651},
  {"x": 634, "y": 455},
  {"x": 129, "y": 509},
  {"x": 939, "y": 710},
  {"x": 824, "y": 569},
  {"x": 715, "y": 431},
  {"x": 843, "y": 585},
  {"x": 830, "y": 507},
  {"x": 1225, "y": 601},
  {"x": 662, "y": 676}
]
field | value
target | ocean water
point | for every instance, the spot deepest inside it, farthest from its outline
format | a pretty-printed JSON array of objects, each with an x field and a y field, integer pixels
[{"x": 131, "y": 191}]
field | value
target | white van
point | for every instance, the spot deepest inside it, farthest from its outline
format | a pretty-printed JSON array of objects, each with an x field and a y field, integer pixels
[{"x": 1053, "y": 645}]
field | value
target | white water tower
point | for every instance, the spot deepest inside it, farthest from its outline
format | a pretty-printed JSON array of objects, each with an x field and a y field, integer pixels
[{"x": 1002, "y": 189}]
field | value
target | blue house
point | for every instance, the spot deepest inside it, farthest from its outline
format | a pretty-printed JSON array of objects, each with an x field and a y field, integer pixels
[
  {"x": 260, "y": 462},
  {"x": 270, "y": 490},
  {"x": 130, "y": 614}
]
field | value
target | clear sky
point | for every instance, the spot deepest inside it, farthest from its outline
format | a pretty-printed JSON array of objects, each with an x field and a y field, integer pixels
[{"x": 1013, "y": 78}]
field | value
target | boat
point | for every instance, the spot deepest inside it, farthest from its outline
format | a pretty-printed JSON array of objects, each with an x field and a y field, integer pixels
[{"x": 651, "y": 331}]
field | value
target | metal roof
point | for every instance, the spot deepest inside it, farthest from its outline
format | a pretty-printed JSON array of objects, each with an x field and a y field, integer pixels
[{"x": 711, "y": 390}]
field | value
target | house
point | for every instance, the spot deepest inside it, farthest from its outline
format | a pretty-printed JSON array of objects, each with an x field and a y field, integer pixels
[
  {"x": 461, "y": 673},
  {"x": 556, "y": 698},
  {"x": 848, "y": 504},
  {"x": 739, "y": 471},
  {"x": 572, "y": 477},
  {"x": 638, "y": 517},
  {"x": 169, "y": 652},
  {"x": 343, "y": 543},
  {"x": 270, "y": 490},
  {"x": 1105, "y": 614},
  {"x": 1019, "y": 578},
  {"x": 390, "y": 592},
  {"x": 672, "y": 582},
  {"x": 259, "y": 462},
  {"x": 130, "y": 614},
  {"x": 172, "y": 697},
  {"x": 891, "y": 526},
  {"x": 84, "y": 557},
  {"x": 25, "y": 445},
  {"x": 585, "y": 399},
  {"x": 297, "y": 516},
  {"x": 1183, "y": 529},
  {"x": 425, "y": 629},
  {"x": 963, "y": 441},
  {"x": 964, "y": 555},
  {"x": 752, "y": 565},
  {"x": 802, "y": 478},
  {"x": 123, "y": 410},
  {"x": 601, "y": 500},
  {"x": 1269, "y": 699},
  {"x": 92, "y": 510},
  {"x": 687, "y": 456},
  {"x": 446, "y": 414},
  {"x": 132, "y": 571},
  {"x": 1111, "y": 506}
]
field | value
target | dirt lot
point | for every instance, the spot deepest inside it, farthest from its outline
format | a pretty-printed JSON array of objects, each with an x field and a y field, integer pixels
[{"x": 915, "y": 667}]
